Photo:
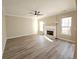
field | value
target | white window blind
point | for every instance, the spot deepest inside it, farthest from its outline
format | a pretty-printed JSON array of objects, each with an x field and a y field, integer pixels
[{"x": 66, "y": 25}]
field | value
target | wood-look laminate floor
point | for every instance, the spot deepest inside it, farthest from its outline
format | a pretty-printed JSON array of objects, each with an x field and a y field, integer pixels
[{"x": 38, "y": 47}]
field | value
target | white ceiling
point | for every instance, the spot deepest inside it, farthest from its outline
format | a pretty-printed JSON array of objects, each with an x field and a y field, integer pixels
[{"x": 47, "y": 7}]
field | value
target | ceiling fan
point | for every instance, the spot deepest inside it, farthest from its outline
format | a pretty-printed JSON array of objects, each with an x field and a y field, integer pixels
[{"x": 37, "y": 13}]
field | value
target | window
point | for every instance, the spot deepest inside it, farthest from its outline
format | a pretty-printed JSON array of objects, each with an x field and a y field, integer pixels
[
  {"x": 41, "y": 25},
  {"x": 66, "y": 26}
]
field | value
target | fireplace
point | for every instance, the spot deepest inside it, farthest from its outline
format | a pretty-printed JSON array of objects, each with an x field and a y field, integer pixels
[{"x": 50, "y": 32}]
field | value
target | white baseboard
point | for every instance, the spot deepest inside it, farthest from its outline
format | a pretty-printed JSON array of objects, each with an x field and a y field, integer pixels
[
  {"x": 20, "y": 36},
  {"x": 67, "y": 40},
  {"x": 4, "y": 40}
]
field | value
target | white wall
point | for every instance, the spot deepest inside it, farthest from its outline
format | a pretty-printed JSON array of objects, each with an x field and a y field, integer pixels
[
  {"x": 51, "y": 20},
  {"x": 4, "y": 38},
  {"x": 19, "y": 26},
  {"x": 73, "y": 36}
]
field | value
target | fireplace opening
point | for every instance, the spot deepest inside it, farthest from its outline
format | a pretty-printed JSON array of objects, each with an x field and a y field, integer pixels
[{"x": 50, "y": 32}]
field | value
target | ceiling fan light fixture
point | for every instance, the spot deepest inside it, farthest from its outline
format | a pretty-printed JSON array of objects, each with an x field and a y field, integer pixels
[{"x": 37, "y": 13}]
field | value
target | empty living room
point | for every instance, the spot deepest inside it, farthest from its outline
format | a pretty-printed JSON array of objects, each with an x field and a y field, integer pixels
[{"x": 39, "y": 29}]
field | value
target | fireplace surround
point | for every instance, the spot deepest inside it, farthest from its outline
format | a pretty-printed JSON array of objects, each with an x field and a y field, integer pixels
[{"x": 50, "y": 31}]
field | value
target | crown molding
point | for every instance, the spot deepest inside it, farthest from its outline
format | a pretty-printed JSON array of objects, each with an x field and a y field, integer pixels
[{"x": 16, "y": 15}]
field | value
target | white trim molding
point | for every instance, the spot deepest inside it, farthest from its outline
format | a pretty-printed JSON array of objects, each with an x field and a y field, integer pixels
[
  {"x": 67, "y": 40},
  {"x": 19, "y": 36}
]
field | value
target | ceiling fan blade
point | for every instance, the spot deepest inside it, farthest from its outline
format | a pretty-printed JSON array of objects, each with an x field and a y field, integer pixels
[
  {"x": 31, "y": 12},
  {"x": 40, "y": 14}
]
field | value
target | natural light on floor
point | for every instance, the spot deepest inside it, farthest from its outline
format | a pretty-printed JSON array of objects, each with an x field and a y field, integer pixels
[{"x": 48, "y": 38}]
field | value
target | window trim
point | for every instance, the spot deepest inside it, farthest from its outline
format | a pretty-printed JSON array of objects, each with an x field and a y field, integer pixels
[{"x": 69, "y": 26}]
